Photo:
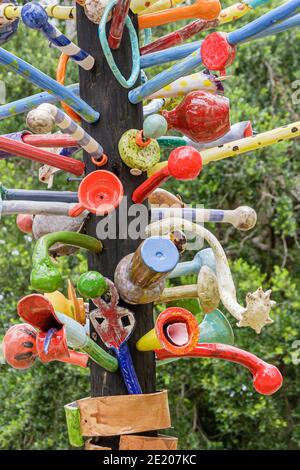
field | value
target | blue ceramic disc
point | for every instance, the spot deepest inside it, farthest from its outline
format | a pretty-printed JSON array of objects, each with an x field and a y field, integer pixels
[{"x": 159, "y": 254}]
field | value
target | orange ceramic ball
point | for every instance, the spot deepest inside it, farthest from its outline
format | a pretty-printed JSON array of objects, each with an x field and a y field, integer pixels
[{"x": 24, "y": 222}]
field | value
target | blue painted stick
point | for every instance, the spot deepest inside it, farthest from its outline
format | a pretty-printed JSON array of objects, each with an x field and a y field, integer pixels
[
  {"x": 194, "y": 60},
  {"x": 35, "y": 17},
  {"x": 40, "y": 79},
  {"x": 169, "y": 55},
  {"x": 202, "y": 258},
  {"x": 24, "y": 105}
]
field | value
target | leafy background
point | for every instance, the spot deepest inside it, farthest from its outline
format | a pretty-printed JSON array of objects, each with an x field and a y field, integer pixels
[{"x": 213, "y": 403}]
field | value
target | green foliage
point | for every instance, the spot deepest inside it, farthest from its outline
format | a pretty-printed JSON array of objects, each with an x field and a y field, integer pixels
[{"x": 213, "y": 403}]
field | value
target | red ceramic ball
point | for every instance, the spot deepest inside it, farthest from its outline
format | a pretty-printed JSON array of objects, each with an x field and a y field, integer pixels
[
  {"x": 19, "y": 346},
  {"x": 24, "y": 222},
  {"x": 185, "y": 163}
]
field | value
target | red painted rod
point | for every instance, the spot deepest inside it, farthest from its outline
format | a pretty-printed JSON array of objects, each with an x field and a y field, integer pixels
[
  {"x": 20, "y": 149},
  {"x": 49, "y": 140},
  {"x": 266, "y": 378},
  {"x": 117, "y": 24}
]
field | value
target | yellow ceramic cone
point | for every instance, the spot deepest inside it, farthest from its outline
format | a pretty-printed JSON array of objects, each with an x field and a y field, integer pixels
[{"x": 148, "y": 342}]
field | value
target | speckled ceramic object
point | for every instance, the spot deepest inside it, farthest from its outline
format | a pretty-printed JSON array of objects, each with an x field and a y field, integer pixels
[
  {"x": 94, "y": 10},
  {"x": 43, "y": 224},
  {"x": 136, "y": 157}
]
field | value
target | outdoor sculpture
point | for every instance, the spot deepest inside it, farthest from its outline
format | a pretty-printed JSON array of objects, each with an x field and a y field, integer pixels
[{"x": 57, "y": 325}]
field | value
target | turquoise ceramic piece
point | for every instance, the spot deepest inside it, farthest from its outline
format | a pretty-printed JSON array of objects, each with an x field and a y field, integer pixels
[
  {"x": 154, "y": 126},
  {"x": 135, "y": 51}
]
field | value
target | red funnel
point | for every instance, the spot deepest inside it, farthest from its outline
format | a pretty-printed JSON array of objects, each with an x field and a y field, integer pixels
[{"x": 99, "y": 192}]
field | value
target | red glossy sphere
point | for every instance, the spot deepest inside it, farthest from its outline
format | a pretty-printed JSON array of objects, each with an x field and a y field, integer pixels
[
  {"x": 202, "y": 116},
  {"x": 267, "y": 379},
  {"x": 19, "y": 346},
  {"x": 216, "y": 52},
  {"x": 24, "y": 222},
  {"x": 184, "y": 163}
]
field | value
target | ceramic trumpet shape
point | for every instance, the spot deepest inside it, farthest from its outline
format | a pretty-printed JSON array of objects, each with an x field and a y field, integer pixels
[
  {"x": 258, "y": 304},
  {"x": 201, "y": 116},
  {"x": 204, "y": 257},
  {"x": 206, "y": 9},
  {"x": 45, "y": 276},
  {"x": 140, "y": 276},
  {"x": 57, "y": 329},
  {"x": 267, "y": 379},
  {"x": 21, "y": 347},
  {"x": 176, "y": 330}
]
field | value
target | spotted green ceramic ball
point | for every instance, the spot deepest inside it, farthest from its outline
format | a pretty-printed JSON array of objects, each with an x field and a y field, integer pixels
[
  {"x": 135, "y": 156},
  {"x": 91, "y": 285},
  {"x": 155, "y": 126}
]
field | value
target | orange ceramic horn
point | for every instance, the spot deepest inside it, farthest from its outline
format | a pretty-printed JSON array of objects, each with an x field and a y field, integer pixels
[{"x": 204, "y": 9}]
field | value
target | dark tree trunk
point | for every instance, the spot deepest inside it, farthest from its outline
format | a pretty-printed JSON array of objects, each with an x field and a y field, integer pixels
[{"x": 101, "y": 90}]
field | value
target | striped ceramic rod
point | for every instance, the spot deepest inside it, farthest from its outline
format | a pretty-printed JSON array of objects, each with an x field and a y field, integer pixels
[
  {"x": 40, "y": 79},
  {"x": 213, "y": 55},
  {"x": 248, "y": 144},
  {"x": 35, "y": 17},
  {"x": 10, "y": 12},
  {"x": 242, "y": 218},
  {"x": 43, "y": 118}
]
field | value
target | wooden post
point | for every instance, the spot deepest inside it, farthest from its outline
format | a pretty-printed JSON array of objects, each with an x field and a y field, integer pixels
[{"x": 101, "y": 90}]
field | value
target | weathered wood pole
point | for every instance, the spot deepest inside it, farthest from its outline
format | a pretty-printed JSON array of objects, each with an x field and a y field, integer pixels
[{"x": 100, "y": 89}]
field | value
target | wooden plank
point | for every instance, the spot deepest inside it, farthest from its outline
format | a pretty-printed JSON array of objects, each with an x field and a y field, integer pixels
[
  {"x": 126, "y": 414},
  {"x": 160, "y": 442}
]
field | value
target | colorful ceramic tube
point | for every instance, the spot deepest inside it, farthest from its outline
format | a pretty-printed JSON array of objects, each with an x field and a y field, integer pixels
[
  {"x": 184, "y": 85},
  {"x": 114, "y": 325},
  {"x": 153, "y": 107},
  {"x": 176, "y": 330},
  {"x": 237, "y": 131},
  {"x": 118, "y": 23},
  {"x": 206, "y": 291},
  {"x": 40, "y": 79},
  {"x": 266, "y": 378},
  {"x": 43, "y": 119},
  {"x": 56, "y": 329},
  {"x": 49, "y": 140},
  {"x": 60, "y": 12},
  {"x": 20, "y": 149},
  {"x": 35, "y": 17},
  {"x": 258, "y": 304},
  {"x": 160, "y": 5},
  {"x": 140, "y": 276},
  {"x": 248, "y": 144},
  {"x": 242, "y": 218},
  {"x": 206, "y": 9},
  {"x": 217, "y": 52},
  {"x": 202, "y": 258},
  {"x": 37, "y": 195},
  {"x": 231, "y": 13},
  {"x": 45, "y": 276},
  {"x": 24, "y": 105},
  {"x": 34, "y": 208},
  {"x": 184, "y": 163}
]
